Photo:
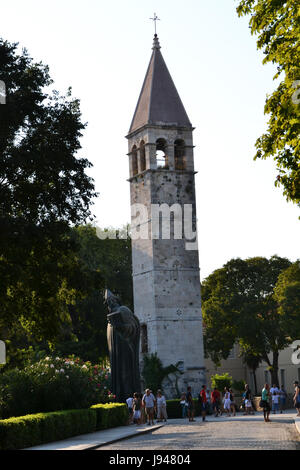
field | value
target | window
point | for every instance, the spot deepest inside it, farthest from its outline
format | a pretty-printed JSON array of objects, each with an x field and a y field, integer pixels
[
  {"x": 179, "y": 153},
  {"x": 142, "y": 156},
  {"x": 144, "y": 339},
  {"x": 252, "y": 381},
  {"x": 134, "y": 161},
  {"x": 266, "y": 376},
  {"x": 161, "y": 155}
]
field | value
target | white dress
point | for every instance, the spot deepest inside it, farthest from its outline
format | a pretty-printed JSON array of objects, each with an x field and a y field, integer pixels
[{"x": 227, "y": 401}]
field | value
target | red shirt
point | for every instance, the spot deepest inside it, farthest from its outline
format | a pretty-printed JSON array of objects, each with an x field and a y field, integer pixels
[
  {"x": 215, "y": 396},
  {"x": 203, "y": 396}
]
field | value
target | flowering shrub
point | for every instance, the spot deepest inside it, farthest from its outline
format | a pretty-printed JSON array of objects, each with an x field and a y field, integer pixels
[{"x": 53, "y": 384}]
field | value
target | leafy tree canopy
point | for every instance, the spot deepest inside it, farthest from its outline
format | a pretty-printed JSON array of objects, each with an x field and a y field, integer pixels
[
  {"x": 43, "y": 190},
  {"x": 240, "y": 305},
  {"x": 277, "y": 24}
]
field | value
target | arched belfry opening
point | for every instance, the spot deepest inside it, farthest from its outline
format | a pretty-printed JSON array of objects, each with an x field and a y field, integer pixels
[
  {"x": 134, "y": 160},
  {"x": 179, "y": 154},
  {"x": 142, "y": 156},
  {"x": 161, "y": 154}
]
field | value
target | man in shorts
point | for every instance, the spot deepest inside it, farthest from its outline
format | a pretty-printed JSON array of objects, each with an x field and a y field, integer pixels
[
  {"x": 203, "y": 401},
  {"x": 149, "y": 405},
  {"x": 215, "y": 401},
  {"x": 297, "y": 397},
  {"x": 191, "y": 405}
]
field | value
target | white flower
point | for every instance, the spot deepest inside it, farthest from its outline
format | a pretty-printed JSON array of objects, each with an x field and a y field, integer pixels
[
  {"x": 57, "y": 358},
  {"x": 47, "y": 358},
  {"x": 62, "y": 371},
  {"x": 84, "y": 366},
  {"x": 67, "y": 377},
  {"x": 56, "y": 371},
  {"x": 52, "y": 366}
]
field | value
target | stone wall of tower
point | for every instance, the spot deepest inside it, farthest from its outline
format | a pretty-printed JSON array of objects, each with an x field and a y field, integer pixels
[{"x": 166, "y": 282}]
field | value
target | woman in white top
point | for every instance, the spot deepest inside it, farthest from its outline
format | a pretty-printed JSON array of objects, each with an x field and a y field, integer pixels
[
  {"x": 227, "y": 401},
  {"x": 161, "y": 407}
]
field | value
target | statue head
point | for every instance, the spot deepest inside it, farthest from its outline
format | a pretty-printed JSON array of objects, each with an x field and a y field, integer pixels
[{"x": 112, "y": 301}]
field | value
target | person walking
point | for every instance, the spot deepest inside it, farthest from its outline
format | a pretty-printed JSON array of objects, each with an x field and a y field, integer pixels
[
  {"x": 296, "y": 397},
  {"x": 129, "y": 402},
  {"x": 232, "y": 402},
  {"x": 143, "y": 411},
  {"x": 275, "y": 402},
  {"x": 149, "y": 403},
  {"x": 203, "y": 402},
  {"x": 282, "y": 398},
  {"x": 247, "y": 400},
  {"x": 137, "y": 405},
  {"x": 161, "y": 405},
  {"x": 264, "y": 403},
  {"x": 274, "y": 389},
  {"x": 184, "y": 405},
  {"x": 208, "y": 401},
  {"x": 227, "y": 401},
  {"x": 191, "y": 405},
  {"x": 215, "y": 401}
]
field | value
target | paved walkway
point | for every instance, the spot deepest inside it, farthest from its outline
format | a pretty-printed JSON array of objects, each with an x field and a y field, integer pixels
[
  {"x": 240, "y": 432},
  {"x": 96, "y": 439},
  {"x": 235, "y": 433}
]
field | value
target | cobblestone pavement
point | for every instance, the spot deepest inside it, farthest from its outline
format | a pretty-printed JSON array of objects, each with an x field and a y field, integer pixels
[{"x": 240, "y": 432}]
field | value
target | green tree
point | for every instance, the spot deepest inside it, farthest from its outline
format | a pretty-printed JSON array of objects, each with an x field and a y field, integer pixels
[
  {"x": 154, "y": 372},
  {"x": 110, "y": 260},
  {"x": 220, "y": 381},
  {"x": 105, "y": 263},
  {"x": 239, "y": 305},
  {"x": 277, "y": 24},
  {"x": 287, "y": 294},
  {"x": 43, "y": 190}
]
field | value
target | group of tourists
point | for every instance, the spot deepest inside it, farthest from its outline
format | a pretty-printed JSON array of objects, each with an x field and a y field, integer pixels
[
  {"x": 214, "y": 402},
  {"x": 278, "y": 398},
  {"x": 145, "y": 407}
]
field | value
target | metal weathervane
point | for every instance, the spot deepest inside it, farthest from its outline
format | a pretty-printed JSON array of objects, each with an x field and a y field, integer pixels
[{"x": 155, "y": 19}]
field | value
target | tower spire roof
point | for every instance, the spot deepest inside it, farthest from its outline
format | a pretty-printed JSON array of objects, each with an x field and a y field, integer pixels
[{"x": 159, "y": 102}]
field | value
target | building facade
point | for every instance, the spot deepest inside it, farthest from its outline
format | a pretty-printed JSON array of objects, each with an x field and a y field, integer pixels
[{"x": 287, "y": 373}]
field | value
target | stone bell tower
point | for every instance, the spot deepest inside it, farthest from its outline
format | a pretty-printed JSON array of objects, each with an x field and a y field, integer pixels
[{"x": 166, "y": 276}]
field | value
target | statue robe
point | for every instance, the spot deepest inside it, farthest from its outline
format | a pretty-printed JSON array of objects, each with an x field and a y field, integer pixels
[{"x": 123, "y": 334}]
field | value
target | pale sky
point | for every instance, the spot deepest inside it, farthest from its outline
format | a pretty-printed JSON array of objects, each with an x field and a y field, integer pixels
[{"x": 102, "y": 50}]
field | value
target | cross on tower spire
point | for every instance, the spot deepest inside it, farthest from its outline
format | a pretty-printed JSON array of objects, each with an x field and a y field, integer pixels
[{"x": 155, "y": 19}]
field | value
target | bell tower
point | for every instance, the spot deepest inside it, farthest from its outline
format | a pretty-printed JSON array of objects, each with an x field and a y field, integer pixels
[{"x": 166, "y": 275}]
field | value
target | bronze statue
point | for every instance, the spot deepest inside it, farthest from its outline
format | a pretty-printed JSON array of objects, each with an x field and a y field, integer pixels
[{"x": 123, "y": 337}]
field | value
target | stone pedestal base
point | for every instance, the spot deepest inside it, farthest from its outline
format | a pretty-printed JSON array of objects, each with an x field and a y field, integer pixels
[{"x": 174, "y": 385}]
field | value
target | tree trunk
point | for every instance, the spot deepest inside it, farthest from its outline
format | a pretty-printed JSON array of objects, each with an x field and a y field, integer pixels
[
  {"x": 255, "y": 381},
  {"x": 274, "y": 370}
]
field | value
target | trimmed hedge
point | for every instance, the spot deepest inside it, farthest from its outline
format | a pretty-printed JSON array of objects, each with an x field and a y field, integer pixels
[
  {"x": 41, "y": 428},
  {"x": 174, "y": 409},
  {"x": 111, "y": 415}
]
